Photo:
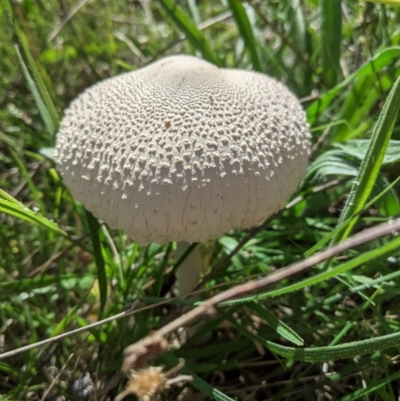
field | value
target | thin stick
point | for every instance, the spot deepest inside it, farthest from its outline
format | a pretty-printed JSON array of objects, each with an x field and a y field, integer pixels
[
  {"x": 20, "y": 350},
  {"x": 208, "y": 307},
  {"x": 55, "y": 380},
  {"x": 240, "y": 290},
  {"x": 314, "y": 190},
  {"x": 56, "y": 256}
]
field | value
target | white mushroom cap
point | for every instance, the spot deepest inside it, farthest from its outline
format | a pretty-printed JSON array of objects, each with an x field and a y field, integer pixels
[{"x": 183, "y": 151}]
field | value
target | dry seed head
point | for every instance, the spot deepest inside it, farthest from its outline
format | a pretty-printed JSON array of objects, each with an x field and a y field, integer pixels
[{"x": 146, "y": 383}]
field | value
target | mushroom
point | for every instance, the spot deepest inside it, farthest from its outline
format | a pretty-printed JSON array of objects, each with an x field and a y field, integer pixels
[{"x": 183, "y": 151}]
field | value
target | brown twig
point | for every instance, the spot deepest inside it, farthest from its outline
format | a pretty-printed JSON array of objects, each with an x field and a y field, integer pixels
[
  {"x": 208, "y": 307},
  {"x": 38, "y": 344},
  {"x": 240, "y": 290},
  {"x": 309, "y": 98}
]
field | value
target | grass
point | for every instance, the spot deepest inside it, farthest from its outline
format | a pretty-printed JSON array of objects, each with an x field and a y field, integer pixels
[{"x": 330, "y": 333}]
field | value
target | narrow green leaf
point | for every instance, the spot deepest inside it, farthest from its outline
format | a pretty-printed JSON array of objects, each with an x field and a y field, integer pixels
[
  {"x": 31, "y": 63},
  {"x": 20, "y": 211},
  {"x": 383, "y": 251},
  {"x": 372, "y": 387},
  {"x": 277, "y": 67},
  {"x": 45, "y": 281},
  {"x": 159, "y": 280},
  {"x": 332, "y": 162},
  {"x": 24, "y": 173},
  {"x": 194, "y": 10},
  {"x": 46, "y": 117},
  {"x": 95, "y": 229},
  {"x": 298, "y": 30},
  {"x": 331, "y": 353},
  {"x": 281, "y": 328},
  {"x": 324, "y": 240},
  {"x": 337, "y": 162},
  {"x": 185, "y": 24},
  {"x": 183, "y": 257},
  {"x": 331, "y": 35},
  {"x": 371, "y": 164},
  {"x": 358, "y": 112},
  {"x": 7, "y": 139},
  {"x": 66, "y": 320},
  {"x": 360, "y": 288},
  {"x": 376, "y": 64},
  {"x": 6, "y": 196},
  {"x": 359, "y": 147},
  {"x": 389, "y": 204},
  {"x": 9, "y": 370},
  {"x": 49, "y": 153},
  {"x": 246, "y": 31},
  {"x": 389, "y": 2}
]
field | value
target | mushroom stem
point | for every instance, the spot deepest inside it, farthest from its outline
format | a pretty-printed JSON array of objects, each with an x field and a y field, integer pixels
[{"x": 188, "y": 274}]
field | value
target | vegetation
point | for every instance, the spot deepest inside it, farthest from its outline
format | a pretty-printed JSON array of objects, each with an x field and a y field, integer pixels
[{"x": 334, "y": 336}]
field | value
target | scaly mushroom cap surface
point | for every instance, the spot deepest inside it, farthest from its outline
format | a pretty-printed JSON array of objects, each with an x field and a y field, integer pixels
[{"x": 182, "y": 150}]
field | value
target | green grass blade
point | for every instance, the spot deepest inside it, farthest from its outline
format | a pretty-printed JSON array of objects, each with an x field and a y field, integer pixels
[
  {"x": 8, "y": 197},
  {"x": 95, "y": 229},
  {"x": 377, "y": 63},
  {"x": 183, "y": 257},
  {"x": 281, "y": 328},
  {"x": 383, "y": 251},
  {"x": 358, "y": 148},
  {"x": 246, "y": 31},
  {"x": 24, "y": 173},
  {"x": 29, "y": 284},
  {"x": 325, "y": 354},
  {"x": 331, "y": 35},
  {"x": 372, "y": 162},
  {"x": 68, "y": 318},
  {"x": 48, "y": 153},
  {"x": 44, "y": 112},
  {"x": 299, "y": 31},
  {"x": 185, "y": 25},
  {"x": 36, "y": 74},
  {"x": 9, "y": 370},
  {"x": 360, "y": 288},
  {"x": 358, "y": 113},
  {"x": 194, "y": 10},
  {"x": 371, "y": 388},
  {"x": 20, "y": 211},
  {"x": 343, "y": 225},
  {"x": 159, "y": 280},
  {"x": 389, "y": 2}
]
